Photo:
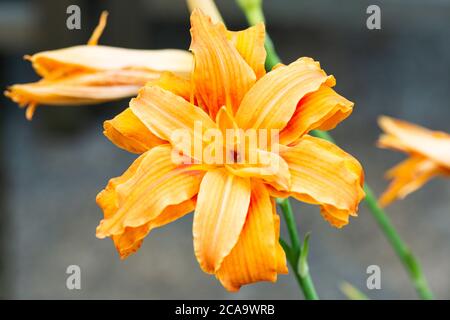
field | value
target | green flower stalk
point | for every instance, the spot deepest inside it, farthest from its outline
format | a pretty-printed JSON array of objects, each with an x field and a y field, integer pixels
[
  {"x": 296, "y": 253},
  {"x": 254, "y": 14}
]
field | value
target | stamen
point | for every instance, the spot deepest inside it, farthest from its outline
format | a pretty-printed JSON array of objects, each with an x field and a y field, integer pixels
[
  {"x": 235, "y": 156},
  {"x": 99, "y": 29},
  {"x": 30, "y": 111}
]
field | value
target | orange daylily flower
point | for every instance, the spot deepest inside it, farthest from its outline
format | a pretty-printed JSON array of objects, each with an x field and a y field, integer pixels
[
  {"x": 429, "y": 156},
  {"x": 90, "y": 74},
  {"x": 236, "y": 227}
]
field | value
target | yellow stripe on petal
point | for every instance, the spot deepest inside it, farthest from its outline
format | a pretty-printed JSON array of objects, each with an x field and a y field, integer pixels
[
  {"x": 221, "y": 76},
  {"x": 145, "y": 190},
  {"x": 322, "y": 109},
  {"x": 272, "y": 101},
  {"x": 220, "y": 215},
  {"x": 323, "y": 174},
  {"x": 254, "y": 257},
  {"x": 172, "y": 118},
  {"x": 431, "y": 144},
  {"x": 250, "y": 44},
  {"x": 127, "y": 132}
]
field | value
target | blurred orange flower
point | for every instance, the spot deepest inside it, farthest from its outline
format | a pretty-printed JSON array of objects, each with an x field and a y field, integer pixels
[
  {"x": 89, "y": 74},
  {"x": 429, "y": 156},
  {"x": 236, "y": 227}
]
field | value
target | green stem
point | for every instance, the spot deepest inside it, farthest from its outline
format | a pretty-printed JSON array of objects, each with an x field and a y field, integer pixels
[
  {"x": 409, "y": 261},
  {"x": 286, "y": 207},
  {"x": 254, "y": 13},
  {"x": 293, "y": 252}
]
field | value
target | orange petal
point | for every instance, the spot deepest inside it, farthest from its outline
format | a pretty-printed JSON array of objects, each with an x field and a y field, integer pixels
[
  {"x": 225, "y": 120},
  {"x": 221, "y": 76},
  {"x": 431, "y": 144},
  {"x": 131, "y": 240},
  {"x": 127, "y": 132},
  {"x": 272, "y": 101},
  {"x": 172, "y": 118},
  {"x": 107, "y": 200},
  {"x": 80, "y": 88},
  {"x": 145, "y": 190},
  {"x": 408, "y": 176},
  {"x": 280, "y": 255},
  {"x": 221, "y": 211},
  {"x": 93, "y": 74},
  {"x": 391, "y": 142},
  {"x": 250, "y": 44},
  {"x": 254, "y": 257},
  {"x": 177, "y": 85},
  {"x": 62, "y": 62},
  {"x": 322, "y": 109},
  {"x": 322, "y": 173},
  {"x": 228, "y": 127}
]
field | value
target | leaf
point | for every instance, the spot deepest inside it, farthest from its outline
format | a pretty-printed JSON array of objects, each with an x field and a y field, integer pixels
[
  {"x": 287, "y": 249},
  {"x": 302, "y": 265}
]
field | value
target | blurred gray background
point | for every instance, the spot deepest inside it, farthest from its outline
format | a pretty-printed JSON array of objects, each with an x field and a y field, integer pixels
[{"x": 52, "y": 168}]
